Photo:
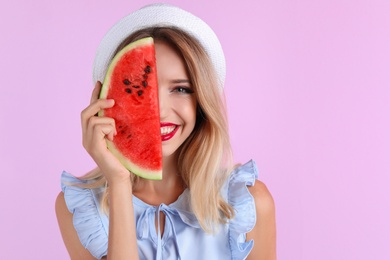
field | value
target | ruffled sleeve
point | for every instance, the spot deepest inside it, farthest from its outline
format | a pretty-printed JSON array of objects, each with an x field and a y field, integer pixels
[
  {"x": 242, "y": 201},
  {"x": 83, "y": 203}
]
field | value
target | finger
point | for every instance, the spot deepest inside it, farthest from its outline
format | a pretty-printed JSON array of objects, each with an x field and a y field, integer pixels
[
  {"x": 110, "y": 135},
  {"x": 90, "y": 122},
  {"x": 96, "y": 91},
  {"x": 100, "y": 132},
  {"x": 97, "y": 106},
  {"x": 93, "y": 109},
  {"x": 93, "y": 121},
  {"x": 98, "y": 128},
  {"x": 96, "y": 143}
]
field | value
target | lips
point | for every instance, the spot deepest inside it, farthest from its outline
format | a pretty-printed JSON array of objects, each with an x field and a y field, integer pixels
[{"x": 168, "y": 130}]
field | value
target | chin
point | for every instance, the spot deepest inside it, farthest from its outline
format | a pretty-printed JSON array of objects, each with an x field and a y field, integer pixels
[{"x": 168, "y": 152}]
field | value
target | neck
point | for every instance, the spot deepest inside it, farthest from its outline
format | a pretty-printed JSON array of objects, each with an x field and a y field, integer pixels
[{"x": 164, "y": 191}]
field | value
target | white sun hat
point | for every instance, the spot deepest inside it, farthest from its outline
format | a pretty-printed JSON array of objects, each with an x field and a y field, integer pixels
[{"x": 153, "y": 16}]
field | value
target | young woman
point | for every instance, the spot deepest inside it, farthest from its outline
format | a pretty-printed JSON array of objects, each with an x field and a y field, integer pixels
[{"x": 204, "y": 208}]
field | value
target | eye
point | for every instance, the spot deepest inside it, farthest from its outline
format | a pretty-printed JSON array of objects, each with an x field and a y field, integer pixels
[{"x": 183, "y": 90}]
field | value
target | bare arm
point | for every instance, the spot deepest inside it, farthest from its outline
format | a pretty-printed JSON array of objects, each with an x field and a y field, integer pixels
[
  {"x": 122, "y": 243},
  {"x": 264, "y": 232}
]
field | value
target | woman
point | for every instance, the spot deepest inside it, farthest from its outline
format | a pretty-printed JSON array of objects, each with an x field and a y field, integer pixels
[{"x": 203, "y": 208}]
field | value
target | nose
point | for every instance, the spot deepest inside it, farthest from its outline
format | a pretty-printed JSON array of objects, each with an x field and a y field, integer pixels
[{"x": 163, "y": 103}]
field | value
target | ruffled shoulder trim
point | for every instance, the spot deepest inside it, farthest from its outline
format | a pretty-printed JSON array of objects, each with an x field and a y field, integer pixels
[
  {"x": 243, "y": 202},
  {"x": 83, "y": 203}
]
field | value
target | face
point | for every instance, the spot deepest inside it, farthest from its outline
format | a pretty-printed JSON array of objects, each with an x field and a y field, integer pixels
[{"x": 176, "y": 97}]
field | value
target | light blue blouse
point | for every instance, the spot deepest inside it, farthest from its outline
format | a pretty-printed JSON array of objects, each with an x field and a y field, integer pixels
[{"x": 183, "y": 237}]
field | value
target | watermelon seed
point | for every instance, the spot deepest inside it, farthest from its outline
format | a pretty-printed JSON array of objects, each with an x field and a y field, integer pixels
[
  {"x": 123, "y": 131},
  {"x": 126, "y": 82},
  {"x": 147, "y": 69},
  {"x": 144, "y": 83},
  {"x": 120, "y": 127},
  {"x": 145, "y": 76},
  {"x": 140, "y": 92},
  {"x": 135, "y": 86},
  {"x": 128, "y": 136},
  {"x": 128, "y": 90}
]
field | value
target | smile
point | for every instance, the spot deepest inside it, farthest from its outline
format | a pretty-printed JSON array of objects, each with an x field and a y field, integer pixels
[{"x": 168, "y": 130}]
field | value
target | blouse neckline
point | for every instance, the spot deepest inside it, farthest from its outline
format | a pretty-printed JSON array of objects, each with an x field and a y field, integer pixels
[{"x": 174, "y": 204}]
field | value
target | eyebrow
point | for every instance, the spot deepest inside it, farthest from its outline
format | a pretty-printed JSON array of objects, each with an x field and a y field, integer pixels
[{"x": 181, "y": 81}]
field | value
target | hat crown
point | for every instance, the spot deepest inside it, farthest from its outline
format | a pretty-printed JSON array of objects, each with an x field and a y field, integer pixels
[{"x": 155, "y": 15}]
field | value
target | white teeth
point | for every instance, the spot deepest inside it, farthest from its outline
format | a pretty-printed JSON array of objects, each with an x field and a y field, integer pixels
[{"x": 167, "y": 129}]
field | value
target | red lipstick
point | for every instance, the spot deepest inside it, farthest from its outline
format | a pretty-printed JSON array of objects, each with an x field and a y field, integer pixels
[{"x": 168, "y": 130}]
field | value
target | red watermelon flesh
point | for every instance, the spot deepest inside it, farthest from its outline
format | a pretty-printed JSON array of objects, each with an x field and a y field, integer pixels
[{"x": 131, "y": 80}]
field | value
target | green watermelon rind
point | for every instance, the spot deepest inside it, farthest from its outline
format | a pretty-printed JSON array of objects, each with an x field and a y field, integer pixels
[
  {"x": 128, "y": 164},
  {"x": 142, "y": 172}
]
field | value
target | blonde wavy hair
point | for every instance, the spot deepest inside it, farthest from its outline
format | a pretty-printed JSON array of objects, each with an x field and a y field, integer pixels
[{"x": 205, "y": 158}]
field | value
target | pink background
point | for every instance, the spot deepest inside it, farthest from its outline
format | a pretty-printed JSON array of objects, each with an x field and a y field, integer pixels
[{"x": 308, "y": 89}]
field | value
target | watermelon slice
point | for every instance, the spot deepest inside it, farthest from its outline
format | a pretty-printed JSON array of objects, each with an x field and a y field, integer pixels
[{"x": 131, "y": 80}]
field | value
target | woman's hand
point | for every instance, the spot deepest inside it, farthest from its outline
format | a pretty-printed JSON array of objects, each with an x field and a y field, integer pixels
[{"x": 95, "y": 131}]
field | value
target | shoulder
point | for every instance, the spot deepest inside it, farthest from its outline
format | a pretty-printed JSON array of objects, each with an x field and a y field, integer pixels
[
  {"x": 68, "y": 232},
  {"x": 61, "y": 209},
  {"x": 245, "y": 178},
  {"x": 82, "y": 225},
  {"x": 253, "y": 227},
  {"x": 263, "y": 199},
  {"x": 64, "y": 217},
  {"x": 264, "y": 231}
]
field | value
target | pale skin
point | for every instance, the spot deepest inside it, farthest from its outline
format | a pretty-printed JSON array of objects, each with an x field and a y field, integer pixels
[{"x": 178, "y": 106}]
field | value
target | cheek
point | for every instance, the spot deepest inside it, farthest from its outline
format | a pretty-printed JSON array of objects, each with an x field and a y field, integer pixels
[
  {"x": 191, "y": 111},
  {"x": 187, "y": 108}
]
